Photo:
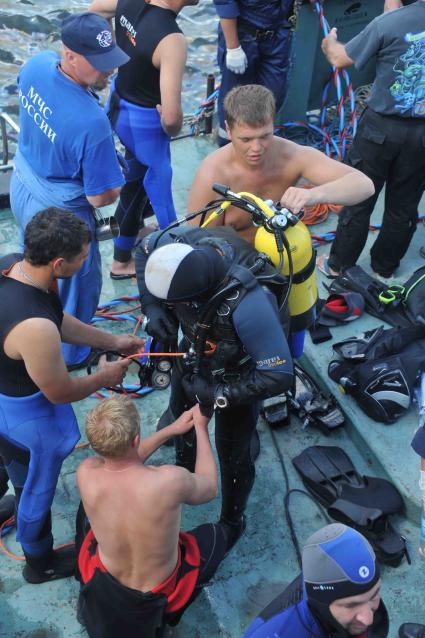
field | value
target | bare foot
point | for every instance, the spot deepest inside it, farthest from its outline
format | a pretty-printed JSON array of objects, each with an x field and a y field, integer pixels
[
  {"x": 322, "y": 264},
  {"x": 123, "y": 268}
]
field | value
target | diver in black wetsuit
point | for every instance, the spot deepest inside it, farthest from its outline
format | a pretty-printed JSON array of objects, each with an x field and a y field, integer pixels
[{"x": 204, "y": 279}]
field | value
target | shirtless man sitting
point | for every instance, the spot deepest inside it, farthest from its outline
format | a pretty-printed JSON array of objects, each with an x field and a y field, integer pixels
[
  {"x": 268, "y": 166},
  {"x": 137, "y": 570}
]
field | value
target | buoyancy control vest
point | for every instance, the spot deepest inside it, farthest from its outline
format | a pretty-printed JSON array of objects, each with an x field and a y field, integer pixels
[{"x": 237, "y": 252}]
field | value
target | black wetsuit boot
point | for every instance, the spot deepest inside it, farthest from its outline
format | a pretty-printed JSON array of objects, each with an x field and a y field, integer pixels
[{"x": 52, "y": 565}]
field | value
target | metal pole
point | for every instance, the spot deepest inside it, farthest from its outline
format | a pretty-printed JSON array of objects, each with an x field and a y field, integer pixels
[{"x": 209, "y": 118}]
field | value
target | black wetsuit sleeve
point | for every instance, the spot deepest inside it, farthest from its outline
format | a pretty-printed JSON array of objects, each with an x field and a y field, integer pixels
[{"x": 257, "y": 324}]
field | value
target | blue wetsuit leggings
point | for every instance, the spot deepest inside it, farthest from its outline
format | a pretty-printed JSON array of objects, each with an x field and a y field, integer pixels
[
  {"x": 17, "y": 460},
  {"x": 148, "y": 149},
  {"x": 35, "y": 438}
]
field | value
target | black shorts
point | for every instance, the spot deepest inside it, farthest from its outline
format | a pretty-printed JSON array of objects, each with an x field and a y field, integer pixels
[{"x": 108, "y": 608}]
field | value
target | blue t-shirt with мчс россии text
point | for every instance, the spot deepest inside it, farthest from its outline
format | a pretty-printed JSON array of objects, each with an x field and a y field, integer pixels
[{"x": 65, "y": 135}]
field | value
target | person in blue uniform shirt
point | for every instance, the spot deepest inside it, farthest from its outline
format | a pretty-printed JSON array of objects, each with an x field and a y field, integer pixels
[
  {"x": 38, "y": 428},
  {"x": 66, "y": 155},
  {"x": 205, "y": 276},
  {"x": 337, "y": 595},
  {"x": 253, "y": 48}
]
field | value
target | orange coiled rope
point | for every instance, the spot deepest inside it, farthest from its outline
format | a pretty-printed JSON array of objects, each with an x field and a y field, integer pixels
[{"x": 319, "y": 212}]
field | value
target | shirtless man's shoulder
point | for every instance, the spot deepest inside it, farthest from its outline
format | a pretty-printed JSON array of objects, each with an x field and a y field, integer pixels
[
  {"x": 221, "y": 158},
  {"x": 224, "y": 163},
  {"x": 164, "y": 473},
  {"x": 91, "y": 463}
]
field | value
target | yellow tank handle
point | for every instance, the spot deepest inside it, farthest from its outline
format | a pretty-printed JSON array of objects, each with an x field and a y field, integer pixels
[
  {"x": 260, "y": 203},
  {"x": 216, "y": 213}
]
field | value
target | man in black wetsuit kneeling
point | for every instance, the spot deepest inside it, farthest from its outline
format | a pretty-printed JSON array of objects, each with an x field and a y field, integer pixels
[{"x": 225, "y": 297}]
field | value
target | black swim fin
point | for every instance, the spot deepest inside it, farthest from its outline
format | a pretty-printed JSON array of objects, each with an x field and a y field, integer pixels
[{"x": 362, "y": 502}]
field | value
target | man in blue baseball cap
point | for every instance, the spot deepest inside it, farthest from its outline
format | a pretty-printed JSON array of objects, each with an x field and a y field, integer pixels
[
  {"x": 90, "y": 35},
  {"x": 66, "y": 155},
  {"x": 337, "y": 595}
]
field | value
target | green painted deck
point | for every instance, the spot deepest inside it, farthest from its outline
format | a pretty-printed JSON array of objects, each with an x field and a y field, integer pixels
[{"x": 264, "y": 561}]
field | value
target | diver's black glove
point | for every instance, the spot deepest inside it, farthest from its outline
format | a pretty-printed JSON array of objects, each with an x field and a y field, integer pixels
[
  {"x": 161, "y": 325},
  {"x": 199, "y": 389}
]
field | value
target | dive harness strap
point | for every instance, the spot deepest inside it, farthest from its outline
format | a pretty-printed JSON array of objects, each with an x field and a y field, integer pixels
[{"x": 240, "y": 276}]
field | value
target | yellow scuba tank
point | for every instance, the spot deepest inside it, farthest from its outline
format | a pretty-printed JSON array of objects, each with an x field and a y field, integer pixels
[{"x": 303, "y": 294}]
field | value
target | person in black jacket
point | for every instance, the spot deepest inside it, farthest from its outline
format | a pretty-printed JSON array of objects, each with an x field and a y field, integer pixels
[{"x": 204, "y": 282}]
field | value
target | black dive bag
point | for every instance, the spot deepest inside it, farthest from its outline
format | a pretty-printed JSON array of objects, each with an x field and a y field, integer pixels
[
  {"x": 414, "y": 297},
  {"x": 379, "y": 369}
]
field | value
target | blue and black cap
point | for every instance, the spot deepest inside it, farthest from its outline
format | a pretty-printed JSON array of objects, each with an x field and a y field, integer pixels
[
  {"x": 90, "y": 35},
  {"x": 179, "y": 272},
  {"x": 338, "y": 562}
]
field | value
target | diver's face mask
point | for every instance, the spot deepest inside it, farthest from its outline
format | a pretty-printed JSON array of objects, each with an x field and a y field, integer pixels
[{"x": 105, "y": 227}]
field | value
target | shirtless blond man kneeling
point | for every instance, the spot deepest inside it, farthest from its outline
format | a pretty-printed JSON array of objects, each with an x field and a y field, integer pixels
[
  {"x": 268, "y": 166},
  {"x": 137, "y": 570}
]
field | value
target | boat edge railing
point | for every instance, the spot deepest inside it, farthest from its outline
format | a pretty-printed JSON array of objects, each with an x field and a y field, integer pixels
[{"x": 6, "y": 121}]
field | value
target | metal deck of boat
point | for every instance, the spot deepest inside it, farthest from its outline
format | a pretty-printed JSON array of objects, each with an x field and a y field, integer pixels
[{"x": 263, "y": 562}]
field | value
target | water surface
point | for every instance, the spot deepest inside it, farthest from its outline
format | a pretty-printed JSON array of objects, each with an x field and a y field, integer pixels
[{"x": 29, "y": 26}]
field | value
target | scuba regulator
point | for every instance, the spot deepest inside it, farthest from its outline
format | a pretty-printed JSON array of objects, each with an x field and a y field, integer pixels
[{"x": 153, "y": 368}]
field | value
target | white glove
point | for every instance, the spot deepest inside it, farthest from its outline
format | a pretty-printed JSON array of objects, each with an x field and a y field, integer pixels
[{"x": 236, "y": 60}]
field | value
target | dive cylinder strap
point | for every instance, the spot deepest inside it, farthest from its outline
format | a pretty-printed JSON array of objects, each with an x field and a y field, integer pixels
[{"x": 302, "y": 275}]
